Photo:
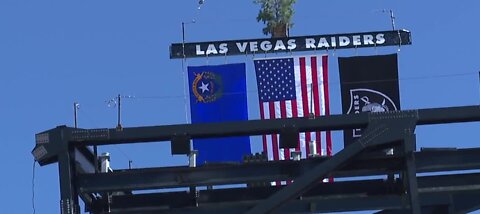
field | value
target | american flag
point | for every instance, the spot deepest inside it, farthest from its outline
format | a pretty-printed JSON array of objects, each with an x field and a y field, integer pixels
[{"x": 294, "y": 87}]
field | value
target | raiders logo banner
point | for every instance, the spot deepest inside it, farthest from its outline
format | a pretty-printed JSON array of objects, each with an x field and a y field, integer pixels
[
  {"x": 368, "y": 84},
  {"x": 290, "y": 44}
]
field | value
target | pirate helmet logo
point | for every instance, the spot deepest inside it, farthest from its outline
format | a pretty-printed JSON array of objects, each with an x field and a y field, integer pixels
[{"x": 368, "y": 100}]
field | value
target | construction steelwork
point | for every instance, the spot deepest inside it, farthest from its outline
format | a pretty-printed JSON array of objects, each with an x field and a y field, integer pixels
[{"x": 396, "y": 188}]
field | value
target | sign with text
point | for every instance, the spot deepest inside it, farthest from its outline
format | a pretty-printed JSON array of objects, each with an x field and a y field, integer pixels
[{"x": 290, "y": 44}]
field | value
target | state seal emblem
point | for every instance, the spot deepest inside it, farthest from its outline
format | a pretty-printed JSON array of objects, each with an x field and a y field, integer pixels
[{"x": 207, "y": 87}]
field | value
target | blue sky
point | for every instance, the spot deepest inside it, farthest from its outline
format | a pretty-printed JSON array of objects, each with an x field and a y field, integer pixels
[{"x": 53, "y": 53}]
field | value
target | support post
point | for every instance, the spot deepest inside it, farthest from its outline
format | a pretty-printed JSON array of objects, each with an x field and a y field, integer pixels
[
  {"x": 192, "y": 162},
  {"x": 68, "y": 194},
  {"x": 410, "y": 178},
  {"x": 95, "y": 158}
]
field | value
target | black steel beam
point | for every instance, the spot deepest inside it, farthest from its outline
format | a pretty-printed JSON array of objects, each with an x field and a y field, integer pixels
[
  {"x": 167, "y": 177},
  {"x": 258, "y": 127},
  {"x": 466, "y": 202},
  {"x": 57, "y": 145},
  {"x": 68, "y": 193},
  {"x": 409, "y": 174},
  {"x": 48, "y": 143},
  {"x": 448, "y": 115},
  {"x": 461, "y": 201},
  {"x": 210, "y": 130},
  {"x": 434, "y": 191}
]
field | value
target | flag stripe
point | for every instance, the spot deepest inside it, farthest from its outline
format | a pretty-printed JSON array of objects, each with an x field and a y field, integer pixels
[
  {"x": 277, "y": 116},
  {"x": 295, "y": 115},
  {"x": 264, "y": 137},
  {"x": 299, "y": 105},
  {"x": 283, "y": 114},
  {"x": 327, "y": 101},
  {"x": 327, "y": 106},
  {"x": 268, "y": 137},
  {"x": 304, "y": 91},
  {"x": 316, "y": 99},
  {"x": 274, "y": 136},
  {"x": 277, "y": 155}
]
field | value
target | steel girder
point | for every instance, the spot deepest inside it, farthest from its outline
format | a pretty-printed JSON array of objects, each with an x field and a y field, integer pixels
[{"x": 384, "y": 129}]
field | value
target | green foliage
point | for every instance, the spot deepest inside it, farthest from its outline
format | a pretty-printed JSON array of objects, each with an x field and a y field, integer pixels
[{"x": 275, "y": 13}]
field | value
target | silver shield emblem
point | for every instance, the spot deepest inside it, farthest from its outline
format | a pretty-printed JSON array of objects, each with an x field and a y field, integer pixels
[{"x": 368, "y": 100}]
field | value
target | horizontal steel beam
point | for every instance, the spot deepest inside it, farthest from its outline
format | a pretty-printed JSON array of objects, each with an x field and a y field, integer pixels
[
  {"x": 439, "y": 190},
  {"x": 258, "y": 127},
  {"x": 167, "y": 177}
]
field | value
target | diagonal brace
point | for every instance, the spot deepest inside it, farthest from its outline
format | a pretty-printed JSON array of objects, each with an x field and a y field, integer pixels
[{"x": 383, "y": 129}]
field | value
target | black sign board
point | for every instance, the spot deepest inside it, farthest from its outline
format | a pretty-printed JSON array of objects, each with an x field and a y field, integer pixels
[
  {"x": 290, "y": 44},
  {"x": 368, "y": 84}
]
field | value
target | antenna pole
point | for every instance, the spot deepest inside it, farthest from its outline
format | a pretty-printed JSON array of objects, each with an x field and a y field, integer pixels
[
  {"x": 392, "y": 19},
  {"x": 183, "y": 38},
  {"x": 75, "y": 107},
  {"x": 119, "y": 125},
  {"x": 185, "y": 80}
]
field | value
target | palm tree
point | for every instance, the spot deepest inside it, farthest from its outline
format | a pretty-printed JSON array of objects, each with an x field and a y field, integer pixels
[{"x": 277, "y": 15}]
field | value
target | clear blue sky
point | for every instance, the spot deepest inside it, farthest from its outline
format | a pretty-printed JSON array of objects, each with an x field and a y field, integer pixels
[{"x": 53, "y": 53}]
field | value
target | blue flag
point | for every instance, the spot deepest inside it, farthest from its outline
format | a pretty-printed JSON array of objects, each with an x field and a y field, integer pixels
[{"x": 218, "y": 94}]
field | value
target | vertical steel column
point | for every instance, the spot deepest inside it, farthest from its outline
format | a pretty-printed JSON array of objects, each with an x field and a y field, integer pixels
[
  {"x": 68, "y": 194},
  {"x": 410, "y": 177}
]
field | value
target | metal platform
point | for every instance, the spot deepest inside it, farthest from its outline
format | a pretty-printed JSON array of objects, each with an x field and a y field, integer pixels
[{"x": 396, "y": 189}]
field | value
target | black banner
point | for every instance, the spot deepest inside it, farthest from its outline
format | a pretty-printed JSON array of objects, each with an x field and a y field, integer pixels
[
  {"x": 290, "y": 44},
  {"x": 368, "y": 84}
]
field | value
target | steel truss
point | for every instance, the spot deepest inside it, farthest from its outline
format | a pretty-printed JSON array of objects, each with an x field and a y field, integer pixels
[{"x": 401, "y": 191}]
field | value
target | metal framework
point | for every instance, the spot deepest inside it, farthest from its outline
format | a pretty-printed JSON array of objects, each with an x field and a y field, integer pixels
[{"x": 401, "y": 189}]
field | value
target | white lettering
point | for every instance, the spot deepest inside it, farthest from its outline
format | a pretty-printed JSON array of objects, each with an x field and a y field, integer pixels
[
  {"x": 323, "y": 43},
  {"x": 310, "y": 43},
  {"x": 223, "y": 48},
  {"x": 242, "y": 46},
  {"x": 211, "y": 49},
  {"x": 380, "y": 39},
  {"x": 253, "y": 46},
  {"x": 356, "y": 40},
  {"x": 333, "y": 42},
  {"x": 266, "y": 45},
  {"x": 291, "y": 44},
  {"x": 199, "y": 50},
  {"x": 279, "y": 45},
  {"x": 368, "y": 39},
  {"x": 356, "y": 132},
  {"x": 344, "y": 41}
]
